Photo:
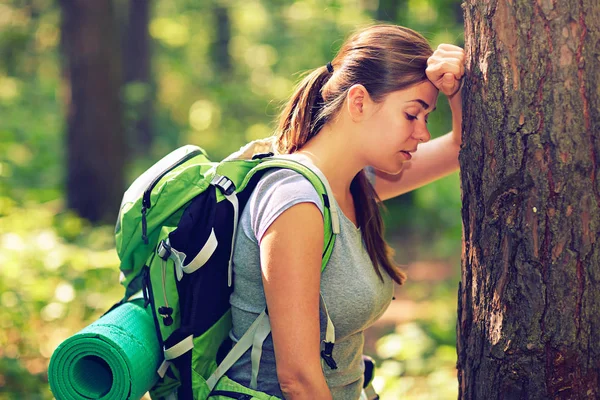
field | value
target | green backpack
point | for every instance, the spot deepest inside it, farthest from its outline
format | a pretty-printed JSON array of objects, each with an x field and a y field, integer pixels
[{"x": 175, "y": 237}]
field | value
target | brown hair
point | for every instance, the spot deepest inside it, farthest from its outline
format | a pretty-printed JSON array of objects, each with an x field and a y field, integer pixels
[{"x": 384, "y": 59}]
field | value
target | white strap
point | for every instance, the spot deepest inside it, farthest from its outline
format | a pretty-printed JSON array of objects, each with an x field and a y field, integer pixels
[
  {"x": 180, "y": 348},
  {"x": 329, "y": 342},
  {"x": 138, "y": 295},
  {"x": 255, "y": 337},
  {"x": 335, "y": 218},
  {"x": 369, "y": 393},
  {"x": 330, "y": 330},
  {"x": 238, "y": 350},
  {"x": 260, "y": 335},
  {"x": 363, "y": 395},
  {"x": 162, "y": 370},
  {"x": 234, "y": 201},
  {"x": 202, "y": 257},
  {"x": 173, "y": 352}
]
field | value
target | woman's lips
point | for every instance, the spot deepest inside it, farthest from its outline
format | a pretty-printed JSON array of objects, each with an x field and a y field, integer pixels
[{"x": 406, "y": 154}]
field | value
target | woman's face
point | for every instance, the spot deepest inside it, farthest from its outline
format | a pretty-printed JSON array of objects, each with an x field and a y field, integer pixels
[{"x": 398, "y": 125}]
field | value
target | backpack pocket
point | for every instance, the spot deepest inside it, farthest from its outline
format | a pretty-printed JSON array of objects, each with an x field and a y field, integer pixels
[{"x": 228, "y": 389}]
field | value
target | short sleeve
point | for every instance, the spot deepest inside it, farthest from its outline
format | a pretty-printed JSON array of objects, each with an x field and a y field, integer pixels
[{"x": 276, "y": 192}]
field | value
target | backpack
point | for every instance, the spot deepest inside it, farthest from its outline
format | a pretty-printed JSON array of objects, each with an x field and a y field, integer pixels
[{"x": 175, "y": 236}]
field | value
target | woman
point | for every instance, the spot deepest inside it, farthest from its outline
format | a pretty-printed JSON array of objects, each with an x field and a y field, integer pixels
[{"x": 368, "y": 107}]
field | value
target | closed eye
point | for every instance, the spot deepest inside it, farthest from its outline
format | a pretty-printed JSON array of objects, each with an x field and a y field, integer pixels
[{"x": 414, "y": 117}]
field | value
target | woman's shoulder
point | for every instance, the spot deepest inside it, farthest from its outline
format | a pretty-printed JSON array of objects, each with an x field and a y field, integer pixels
[
  {"x": 285, "y": 184},
  {"x": 277, "y": 191}
]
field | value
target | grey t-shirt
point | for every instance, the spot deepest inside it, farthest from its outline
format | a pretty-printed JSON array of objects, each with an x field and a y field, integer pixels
[{"x": 354, "y": 295}]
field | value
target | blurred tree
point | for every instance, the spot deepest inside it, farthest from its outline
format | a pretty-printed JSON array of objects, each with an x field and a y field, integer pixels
[
  {"x": 528, "y": 323},
  {"x": 96, "y": 145},
  {"x": 137, "y": 76},
  {"x": 388, "y": 10},
  {"x": 220, "y": 46}
]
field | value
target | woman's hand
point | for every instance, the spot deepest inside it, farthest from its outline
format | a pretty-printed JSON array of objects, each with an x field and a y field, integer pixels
[
  {"x": 438, "y": 157},
  {"x": 446, "y": 67}
]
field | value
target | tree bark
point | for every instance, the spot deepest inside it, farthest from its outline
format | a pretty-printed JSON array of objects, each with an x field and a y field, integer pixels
[
  {"x": 529, "y": 304},
  {"x": 95, "y": 140},
  {"x": 137, "y": 71}
]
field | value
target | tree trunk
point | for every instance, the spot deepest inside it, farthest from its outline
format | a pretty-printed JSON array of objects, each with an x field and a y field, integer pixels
[
  {"x": 387, "y": 10},
  {"x": 529, "y": 304},
  {"x": 137, "y": 71},
  {"x": 220, "y": 46},
  {"x": 95, "y": 140}
]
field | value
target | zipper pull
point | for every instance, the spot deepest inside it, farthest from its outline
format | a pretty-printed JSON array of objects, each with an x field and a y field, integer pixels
[
  {"x": 145, "y": 287},
  {"x": 327, "y": 356},
  {"x": 144, "y": 225},
  {"x": 166, "y": 312}
]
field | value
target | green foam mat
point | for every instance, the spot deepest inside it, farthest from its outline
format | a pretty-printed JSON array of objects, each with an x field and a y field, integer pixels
[{"x": 114, "y": 358}]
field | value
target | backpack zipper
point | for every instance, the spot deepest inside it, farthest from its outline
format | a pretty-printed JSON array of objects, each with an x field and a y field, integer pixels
[
  {"x": 146, "y": 204},
  {"x": 231, "y": 395}
]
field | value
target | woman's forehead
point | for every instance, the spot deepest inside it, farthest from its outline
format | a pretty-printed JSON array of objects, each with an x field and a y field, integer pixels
[{"x": 424, "y": 94}]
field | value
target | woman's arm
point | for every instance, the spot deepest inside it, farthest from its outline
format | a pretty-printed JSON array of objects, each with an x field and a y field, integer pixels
[
  {"x": 290, "y": 253},
  {"x": 433, "y": 160},
  {"x": 438, "y": 157}
]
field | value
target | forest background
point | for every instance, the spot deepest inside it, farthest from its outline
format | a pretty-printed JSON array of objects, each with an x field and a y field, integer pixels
[{"x": 219, "y": 72}]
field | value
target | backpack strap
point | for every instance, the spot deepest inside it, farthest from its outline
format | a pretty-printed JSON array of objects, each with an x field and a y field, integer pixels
[
  {"x": 259, "y": 337},
  {"x": 329, "y": 342},
  {"x": 228, "y": 190},
  {"x": 263, "y": 331},
  {"x": 173, "y": 352},
  {"x": 335, "y": 218},
  {"x": 319, "y": 181},
  {"x": 238, "y": 350},
  {"x": 260, "y": 329},
  {"x": 254, "y": 338}
]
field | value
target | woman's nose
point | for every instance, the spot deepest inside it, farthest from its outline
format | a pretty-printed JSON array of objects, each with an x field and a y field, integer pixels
[{"x": 421, "y": 133}]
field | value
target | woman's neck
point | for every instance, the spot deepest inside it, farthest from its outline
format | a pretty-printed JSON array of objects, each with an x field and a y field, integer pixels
[{"x": 333, "y": 151}]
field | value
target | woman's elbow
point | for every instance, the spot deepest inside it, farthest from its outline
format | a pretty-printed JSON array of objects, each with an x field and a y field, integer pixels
[{"x": 303, "y": 383}]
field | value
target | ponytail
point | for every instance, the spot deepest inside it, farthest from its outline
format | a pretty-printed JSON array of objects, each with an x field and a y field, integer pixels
[{"x": 301, "y": 118}]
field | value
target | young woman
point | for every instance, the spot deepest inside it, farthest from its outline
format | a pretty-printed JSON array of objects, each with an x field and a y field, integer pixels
[{"x": 365, "y": 110}]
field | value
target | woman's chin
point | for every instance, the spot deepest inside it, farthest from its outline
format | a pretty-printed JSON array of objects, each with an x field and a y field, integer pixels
[{"x": 393, "y": 170}]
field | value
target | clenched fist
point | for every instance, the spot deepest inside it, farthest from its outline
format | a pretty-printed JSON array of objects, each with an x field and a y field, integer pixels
[{"x": 445, "y": 68}]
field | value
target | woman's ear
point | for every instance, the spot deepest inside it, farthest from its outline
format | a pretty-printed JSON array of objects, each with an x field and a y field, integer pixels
[{"x": 358, "y": 98}]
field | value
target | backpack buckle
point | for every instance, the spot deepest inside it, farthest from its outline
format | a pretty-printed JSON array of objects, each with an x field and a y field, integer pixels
[
  {"x": 327, "y": 355},
  {"x": 224, "y": 184},
  {"x": 164, "y": 250}
]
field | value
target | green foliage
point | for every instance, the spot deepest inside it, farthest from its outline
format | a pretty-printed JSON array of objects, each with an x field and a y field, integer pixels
[
  {"x": 59, "y": 273},
  {"x": 417, "y": 359}
]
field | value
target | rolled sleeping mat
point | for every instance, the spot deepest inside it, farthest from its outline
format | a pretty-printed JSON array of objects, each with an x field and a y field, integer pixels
[{"x": 114, "y": 358}]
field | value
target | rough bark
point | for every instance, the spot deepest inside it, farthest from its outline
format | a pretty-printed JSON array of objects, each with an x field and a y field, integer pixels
[
  {"x": 529, "y": 304},
  {"x": 95, "y": 139}
]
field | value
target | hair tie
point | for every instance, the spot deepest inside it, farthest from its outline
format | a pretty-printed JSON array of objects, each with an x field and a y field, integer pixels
[{"x": 329, "y": 67}]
